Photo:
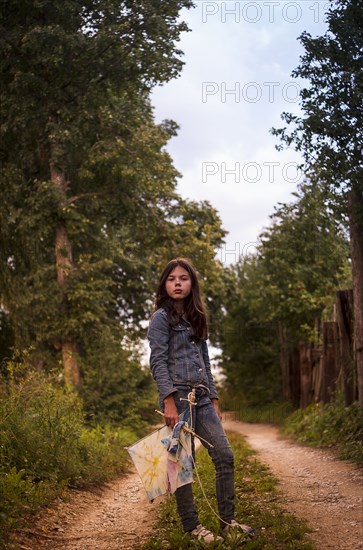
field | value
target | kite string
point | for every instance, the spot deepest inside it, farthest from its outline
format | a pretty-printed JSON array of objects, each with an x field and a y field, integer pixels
[
  {"x": 205, "y": 496},
  {"x": 192, "y": 402}
]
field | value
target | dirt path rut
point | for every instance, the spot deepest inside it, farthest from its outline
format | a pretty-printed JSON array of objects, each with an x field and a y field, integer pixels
[
  {"x": 118, "y": 517},
  {"x": 324, "y": 491}
]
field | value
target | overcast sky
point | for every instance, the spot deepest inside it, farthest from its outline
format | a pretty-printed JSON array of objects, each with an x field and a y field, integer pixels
[{"x": 235, "y": 83}]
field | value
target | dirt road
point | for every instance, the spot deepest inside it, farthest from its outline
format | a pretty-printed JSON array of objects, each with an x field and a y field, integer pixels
[
  {"x": 117, "y": 517},
  {"x": 317, "y": 487},
  {"x": 327, "y": 492}
]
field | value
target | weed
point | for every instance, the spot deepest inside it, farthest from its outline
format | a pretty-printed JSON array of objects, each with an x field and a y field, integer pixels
[
  {"x": 271, "y": 413},
  {"x": 257, "y": 503},
  {"x": 331, "y": 425},
  {"x": 45, "y": 446}
]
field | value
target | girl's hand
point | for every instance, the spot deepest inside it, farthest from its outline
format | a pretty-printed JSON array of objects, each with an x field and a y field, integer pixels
[
  {"x": 216, "y": 408},
  {"x": 171, "y": 416}
]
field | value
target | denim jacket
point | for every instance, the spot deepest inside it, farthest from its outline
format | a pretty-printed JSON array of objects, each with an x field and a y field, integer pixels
[{"x": 175, "y": 358}]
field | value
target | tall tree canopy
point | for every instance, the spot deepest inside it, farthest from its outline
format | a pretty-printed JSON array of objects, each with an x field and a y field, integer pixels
[
  {"x": 302, "y": 257},
  {"x": 89, "y": 210},
  {"x": 330, "y": 133}
]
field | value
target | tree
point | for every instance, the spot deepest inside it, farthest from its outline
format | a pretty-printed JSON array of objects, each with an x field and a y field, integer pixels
[
  {"x": 250, "y": 357},
  {"x": 89, "y": 211},
  {"x": 302, "y": 257},
  {"x": 81, "y": 156},
  {"x": 330, "y": 133}
]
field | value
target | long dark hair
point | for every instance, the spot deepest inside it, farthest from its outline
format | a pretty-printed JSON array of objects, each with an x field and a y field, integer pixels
[{"x": 195, "y": 309}]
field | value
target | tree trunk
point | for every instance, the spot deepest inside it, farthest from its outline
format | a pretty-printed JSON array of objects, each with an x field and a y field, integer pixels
[
  {"x": 65, "y": 266},
  {"x": 355, "y": 199}
]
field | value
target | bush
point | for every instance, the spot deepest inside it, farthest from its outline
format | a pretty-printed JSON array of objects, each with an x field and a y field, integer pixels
[
  {"x": 45, "y": 445},
  {"x": 272, "y": 413},
  {"x": 102, "y": 451},
  {"x": 40, "y": 428},
  {"x": 330, "y": 425},
  {"x": 18, "y": 495},
  {"x": 244, "y": 411}
]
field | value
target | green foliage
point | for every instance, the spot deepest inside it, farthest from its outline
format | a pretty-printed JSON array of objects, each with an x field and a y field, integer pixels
[
  {"x": 115, "y": 388},
  {"x": 40, "y": 429},
  {"x": 45, "y": 445},
  {"x": 329, "y": 134},
  {"x": 20, "y": 495},
  {"x": 302, "y": 258},
  {"x": 330, "y": 425},
  {"x": 6, "y": 338},
  {"x": 257, "y": 503},
  {"x": 269, "y": 413},
  {"x": 250, "y": 354},
  {"x": 75, "y": 94},
  {"x": 102, "y": 453}
]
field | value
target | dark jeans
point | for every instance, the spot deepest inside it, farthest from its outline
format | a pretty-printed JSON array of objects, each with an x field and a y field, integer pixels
[{"x": 207, "y": 424}]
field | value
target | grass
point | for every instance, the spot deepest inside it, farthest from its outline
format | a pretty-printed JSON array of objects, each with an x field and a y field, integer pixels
[
  {"x": 332, "y": 425},
  {"x": 258, "y": 503},
  {"x": 272, "y": 413},
  {"x": 46, "y": 446}
]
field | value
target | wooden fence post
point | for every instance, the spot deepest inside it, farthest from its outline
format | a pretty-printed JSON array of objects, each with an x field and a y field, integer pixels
[
  {"x": 284, "y": 361},
  {"x": 329, "y": 359},
  {"x": 344, "y": 316},
  {"x": 306, "y": 371},
  {"x": 317, "y": 364},
  {"x": 294, "y": 376},
  {"x": 318, "y": 379}
]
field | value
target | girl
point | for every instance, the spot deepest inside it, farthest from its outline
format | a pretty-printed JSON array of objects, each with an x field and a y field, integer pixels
[{"x": 179, "y": 362}]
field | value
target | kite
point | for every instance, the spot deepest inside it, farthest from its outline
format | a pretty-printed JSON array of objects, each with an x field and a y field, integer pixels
[{"x": 163, "y": 459}]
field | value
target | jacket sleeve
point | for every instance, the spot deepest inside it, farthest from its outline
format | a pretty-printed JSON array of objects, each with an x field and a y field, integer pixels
[
  {"x": 158, "y": 336},
  {"x": 212, "y": 387}
]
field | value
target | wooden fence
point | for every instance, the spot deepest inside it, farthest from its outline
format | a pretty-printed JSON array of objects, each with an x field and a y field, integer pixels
[{"x": 313, "y": 372}]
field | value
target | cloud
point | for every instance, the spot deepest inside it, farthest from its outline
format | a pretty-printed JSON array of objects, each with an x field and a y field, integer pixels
[{"x": 234, "y": 86}]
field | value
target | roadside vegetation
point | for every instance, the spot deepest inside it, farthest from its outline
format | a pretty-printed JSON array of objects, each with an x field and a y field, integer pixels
[
  {"x": 268, "y": 413},
  {"x": 258, "y": 503},
  {"x": 46, "y": 445},
  {"x": 331, "y": 425}
]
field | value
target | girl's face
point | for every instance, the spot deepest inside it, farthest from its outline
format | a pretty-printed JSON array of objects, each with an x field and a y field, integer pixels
[{"x": 178, "y": 284}]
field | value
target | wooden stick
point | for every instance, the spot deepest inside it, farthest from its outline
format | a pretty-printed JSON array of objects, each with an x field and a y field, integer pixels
[{"x": 190, "y": 431}]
